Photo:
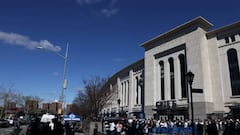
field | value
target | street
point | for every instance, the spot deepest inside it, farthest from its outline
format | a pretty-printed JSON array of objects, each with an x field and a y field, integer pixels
[
  {"x": 10, "y": 131},
  {"x": 6, "y": 131}
]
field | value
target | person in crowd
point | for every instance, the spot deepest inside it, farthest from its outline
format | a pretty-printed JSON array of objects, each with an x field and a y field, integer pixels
[
  {"x": 58, "y": 127},
  {"x": 237, "y": 127},
  {"x": 69, "y": 128},
  {"x": 228, "y": 128},
  {"x": 112, "y": 128},
  {"x": 130, "y": 127},
  {"x": 212, "y": 128},
  {"x": 51, "y": 125},
  {"x": 199, "y": 127},
  {"x": 35, "y": 127},
  {"x": 145, "y": 129},
  {"x": 95, "y": 130},
  {"x": 152, "y": 126},
  {"x": 16, "y": 123},
  {"x": 46, "y": 129},
  {"x": 119, "y": 128},
  {"x": 140, "y": 128}
]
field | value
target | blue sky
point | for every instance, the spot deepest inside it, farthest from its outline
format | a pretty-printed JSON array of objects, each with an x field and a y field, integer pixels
[{"x": 104, "y": 36}]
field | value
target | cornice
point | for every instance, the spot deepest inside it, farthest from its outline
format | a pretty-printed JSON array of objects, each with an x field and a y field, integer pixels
[{"x": 198, "y": 21}]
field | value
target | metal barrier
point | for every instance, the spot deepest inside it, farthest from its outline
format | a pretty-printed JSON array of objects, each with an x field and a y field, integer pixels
[{"x": 174, "y": 130}]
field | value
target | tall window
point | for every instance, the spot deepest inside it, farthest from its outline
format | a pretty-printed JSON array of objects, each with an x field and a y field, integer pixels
[
  {"x": 128, "y": 93},
  {"x": 226, "y": 40},
  {"x": 233, "y": 38},
  {"x": 171, "y": 64},
  {"x": 137, "y": 90},
  {"x": 183, "y": 72},
  {"x": 125, "y": 93},
  {"x": 122, "y": 93},
  {"x": 161, "y": 63},
  {"x": 234, "y": 71}
]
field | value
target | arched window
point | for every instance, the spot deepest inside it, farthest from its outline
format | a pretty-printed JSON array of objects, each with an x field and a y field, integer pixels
[
  {"x": 137, "y": 89},
  {"x": 183, "y": 72},
  {"x": 125, "y": 93},
  {"x": 128, "y": 92},
  {"x": 161, "y": 63},
  {"x": 171, "y": 65},
  {"x": 122, "y": 92},
  {"x": 234, "y": 71}
]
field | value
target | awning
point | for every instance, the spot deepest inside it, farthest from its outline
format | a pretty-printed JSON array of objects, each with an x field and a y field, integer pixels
[{"x": 232, "y": 104}]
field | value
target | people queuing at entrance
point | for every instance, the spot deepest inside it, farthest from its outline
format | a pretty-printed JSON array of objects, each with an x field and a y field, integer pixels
[
  {"x": 36, "y": 127},
  {"x": 183, "y": 127}
]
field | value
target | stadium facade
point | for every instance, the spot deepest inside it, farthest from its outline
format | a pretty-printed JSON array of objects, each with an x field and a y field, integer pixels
[{"x": 156, "y": 85}]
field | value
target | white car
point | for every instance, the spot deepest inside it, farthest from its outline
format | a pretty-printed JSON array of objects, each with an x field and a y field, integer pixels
[
  {"x": 4, "y": 123},
  {"x": 10, "y": 120}
]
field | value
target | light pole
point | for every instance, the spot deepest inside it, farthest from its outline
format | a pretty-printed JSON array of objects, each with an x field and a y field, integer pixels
[
  {"x": 64, "y": 81},
  {"x": 141, "y": 83},
  {"x": 119, "y": 101},
  {"x": 190, "y": 77}
]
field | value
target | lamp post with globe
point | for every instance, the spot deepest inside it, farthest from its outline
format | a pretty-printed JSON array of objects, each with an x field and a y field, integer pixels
[{"x": 190, "y": 77}]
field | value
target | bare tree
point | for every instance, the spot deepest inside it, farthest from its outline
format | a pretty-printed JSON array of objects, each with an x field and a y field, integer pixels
[
  {"x": 93, "y": 98},
  {"x": 8, "y": 95},
  {"x": 31, "y": 104},
  {"x": 81, "y": 104}
]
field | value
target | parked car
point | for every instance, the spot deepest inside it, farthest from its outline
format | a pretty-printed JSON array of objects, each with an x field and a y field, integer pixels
[
  {"x": 4, "y": 123},
  {"x": 10, "y": 120}
]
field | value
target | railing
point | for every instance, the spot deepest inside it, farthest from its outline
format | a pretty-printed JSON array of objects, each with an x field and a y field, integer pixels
[{"x": 173, "y": 130}]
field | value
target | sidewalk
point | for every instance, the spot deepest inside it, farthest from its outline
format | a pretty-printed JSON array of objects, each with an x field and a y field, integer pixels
[{"x": 91, "y": 128}]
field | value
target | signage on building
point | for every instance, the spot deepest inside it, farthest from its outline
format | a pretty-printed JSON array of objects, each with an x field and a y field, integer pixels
[
  {"x": 166, "y": 104},
  {"x": 197, "y": 90}
]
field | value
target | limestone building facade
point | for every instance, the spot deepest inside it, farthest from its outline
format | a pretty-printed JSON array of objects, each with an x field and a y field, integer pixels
[{"x": 157, "y": 85}]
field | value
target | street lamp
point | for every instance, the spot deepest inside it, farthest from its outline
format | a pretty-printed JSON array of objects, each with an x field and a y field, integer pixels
[
  {"x": 119, "y": 101},
  {"x": 64, "y": 81},
  {"x": 141, "y": 83},
  {"x": 190, "y": 77}
]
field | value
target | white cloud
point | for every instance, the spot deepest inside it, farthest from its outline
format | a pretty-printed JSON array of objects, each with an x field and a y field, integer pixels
[
  {"x": 108, "y": 8},
  {"x": 88, "y": 2},
  {"x": 109, "y": 12},
  {"x": 20, "y": 40}
]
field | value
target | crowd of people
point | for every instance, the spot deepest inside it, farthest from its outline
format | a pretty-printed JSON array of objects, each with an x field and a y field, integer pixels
[
  {"x": 181, "y": 127},
  {"x": 56, "y": 127}
]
